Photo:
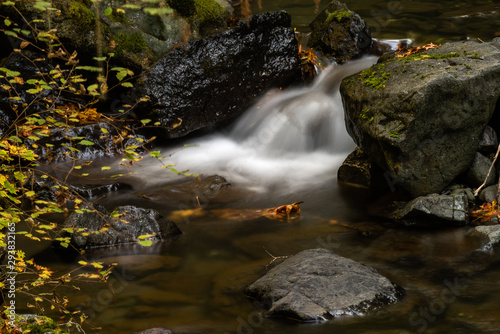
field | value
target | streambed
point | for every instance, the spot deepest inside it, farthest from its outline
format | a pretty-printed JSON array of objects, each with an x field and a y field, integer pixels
[{"x": 194, "y": 284}]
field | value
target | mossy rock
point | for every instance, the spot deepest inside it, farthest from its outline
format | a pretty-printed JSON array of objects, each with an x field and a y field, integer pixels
[
  {"x": 205, "y": 16},
  {"x": 37, "y": 324},
  {"x": 339, "y": 33}
]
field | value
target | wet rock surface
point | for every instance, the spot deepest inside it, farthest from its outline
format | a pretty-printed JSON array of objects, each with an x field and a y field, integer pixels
[
  {"x": 434, "y": 209},
  {"x": 478, "y": 171},
  {"x": 106, "y": 143},
  {"x": 316, "y": 285},
  {"x": 490, "y": 235},
  {"x": 339, "y": 33},
  {"x": 358, "y": 170},
  {"x": 215, "y": 79},
  {"x": 421, "y": 117},
  {"x": 101, "y": 228}
]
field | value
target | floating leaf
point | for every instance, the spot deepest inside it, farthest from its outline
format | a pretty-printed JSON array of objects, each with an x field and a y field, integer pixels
[
  {"x": 145, "y": 243},
  {"x": 86, "y": 143}
]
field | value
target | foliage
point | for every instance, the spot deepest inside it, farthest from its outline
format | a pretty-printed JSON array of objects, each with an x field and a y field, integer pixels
[{"x": 49, "y": 99}]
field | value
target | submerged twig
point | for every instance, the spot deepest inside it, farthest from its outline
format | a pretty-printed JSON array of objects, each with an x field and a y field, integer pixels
[{"x": 274, "y": 257}]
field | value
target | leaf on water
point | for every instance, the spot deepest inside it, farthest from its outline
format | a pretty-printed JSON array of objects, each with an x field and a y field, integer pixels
[
  {"x": 282, "y": 212},
  {"x": 145, "y": 243}
]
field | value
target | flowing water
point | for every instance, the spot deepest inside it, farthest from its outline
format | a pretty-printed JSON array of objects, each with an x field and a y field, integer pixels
[{"x": 287, "y": 148}]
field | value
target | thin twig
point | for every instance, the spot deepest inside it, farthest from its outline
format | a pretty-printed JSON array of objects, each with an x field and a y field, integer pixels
[
  {"x": 489, "y": 172},
  {"x": 274, "y": 257}
]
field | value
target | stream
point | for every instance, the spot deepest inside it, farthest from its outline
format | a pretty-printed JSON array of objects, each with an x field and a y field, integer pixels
[{"x": 285, "y": 149}]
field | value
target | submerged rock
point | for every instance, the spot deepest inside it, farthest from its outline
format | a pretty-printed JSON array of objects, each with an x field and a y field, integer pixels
[
  {"x": 99, "y": 228},
  {"x": 435, "y": 209},
  {"x": 489, "y": 234},
  {"x": 216, "y": 78},
  {"x": 340, "y": 33},
  {"x": 421, "y": 117},
  {"x": 316, "y": 285}
]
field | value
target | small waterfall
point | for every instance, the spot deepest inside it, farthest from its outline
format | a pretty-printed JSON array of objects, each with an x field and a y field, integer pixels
[
  {"x": 300, "y": 120},
  {"x": 294, "y": 137}
]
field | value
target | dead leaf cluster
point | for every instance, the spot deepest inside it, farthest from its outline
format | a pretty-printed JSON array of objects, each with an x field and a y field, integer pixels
[{"x": 404, "y": 51}]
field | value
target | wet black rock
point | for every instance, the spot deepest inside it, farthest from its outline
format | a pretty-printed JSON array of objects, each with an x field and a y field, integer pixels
[
  {"x": 106, "y": 143},
  {"x": 340, "y": 33},
  {"x": 215, "y": 79},
  {"x": 316, "y": 285},
  {"x": 421, "y": 117},
  {"x": 101, "y": 228},
  {"x": 434, "y": 210}
]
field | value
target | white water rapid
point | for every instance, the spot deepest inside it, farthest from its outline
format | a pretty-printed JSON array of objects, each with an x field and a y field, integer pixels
[{"x": 290, "y": 138}]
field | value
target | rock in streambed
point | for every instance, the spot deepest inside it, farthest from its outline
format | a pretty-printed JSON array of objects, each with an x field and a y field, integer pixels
[
  {"x": 100, "y": 228},
  {"x": 421, "y": 117},
  {"x": 316, "y": 285}
]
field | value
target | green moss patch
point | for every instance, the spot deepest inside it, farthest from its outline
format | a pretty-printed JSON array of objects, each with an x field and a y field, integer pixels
[
  {"x": 339, "y": 15},
  {"x": 81, "y": 17},
  {"x": 133, "y": 43},
  {"x": 375, "y": 79},
  {"x": 198, "y": 10}
]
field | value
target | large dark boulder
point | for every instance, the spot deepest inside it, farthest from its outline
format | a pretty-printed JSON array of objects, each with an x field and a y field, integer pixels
[
  {"x": 339, "y": 33},
  {"x": 316, "y": 285},
  {"x": 421, "y": 117},
  {"x": 99, "y": 228},
  {"x": 216, "y": 78}
]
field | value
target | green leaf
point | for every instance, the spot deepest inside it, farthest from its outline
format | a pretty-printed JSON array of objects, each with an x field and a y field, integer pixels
[
  {"x": 7, "y": 22},
  {"x": 105, "y": 168},
  {"x": 100, "y": 58},
  {"x": 104, "y": 130},
  {"x": 155, "y": 154},
  {"x": 121, "y": 75},
  {"x": 130, "y": 6},
  {"x": 86, "y": 143},
  {"x": 145, "y": 243},
  {"x": 8, "y": 3},
  {"x": 127, "y": 84},
  {"x": 89, "y": 68},
  {"x": 108, "y": 11},
  {"x": 64, "y": 244},
  {"x": 145, "y": 121},
  {"x": 10, "y": 33}
]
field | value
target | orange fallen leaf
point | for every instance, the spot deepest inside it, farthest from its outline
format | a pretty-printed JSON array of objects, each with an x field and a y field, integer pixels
[{"x": 277, "y": 213}]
